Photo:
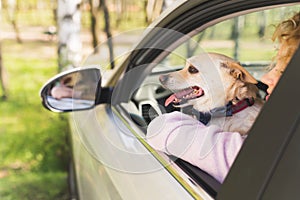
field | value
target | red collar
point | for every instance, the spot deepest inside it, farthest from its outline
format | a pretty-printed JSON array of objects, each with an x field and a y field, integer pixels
[
  {"x": 223, "y": 111},
  {"x": 241, "y": 105}
]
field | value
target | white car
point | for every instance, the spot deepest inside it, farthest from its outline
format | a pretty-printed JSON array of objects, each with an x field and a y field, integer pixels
[{"x": 111, "y": 157}]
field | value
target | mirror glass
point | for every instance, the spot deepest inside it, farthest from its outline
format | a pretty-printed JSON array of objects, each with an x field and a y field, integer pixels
[{"x": 71, "y": 90}]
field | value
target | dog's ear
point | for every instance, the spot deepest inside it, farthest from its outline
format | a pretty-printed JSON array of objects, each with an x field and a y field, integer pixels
[{"x": 238, "y": 72}]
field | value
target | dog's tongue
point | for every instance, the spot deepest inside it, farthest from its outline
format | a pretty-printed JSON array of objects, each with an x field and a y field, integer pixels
[
  {"x": 178, "y": 95},
  {"x": 170, "y": 99}
]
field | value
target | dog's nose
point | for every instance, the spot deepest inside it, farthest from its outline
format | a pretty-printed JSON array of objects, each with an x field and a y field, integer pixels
[{"x": 163, "y": 78}]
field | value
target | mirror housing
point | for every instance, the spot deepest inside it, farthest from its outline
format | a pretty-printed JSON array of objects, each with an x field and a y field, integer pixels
[{"x": 73, "y": 90}]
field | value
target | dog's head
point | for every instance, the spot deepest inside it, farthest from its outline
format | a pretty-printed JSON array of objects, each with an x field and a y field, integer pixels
[{"x": 208, "y": 81}]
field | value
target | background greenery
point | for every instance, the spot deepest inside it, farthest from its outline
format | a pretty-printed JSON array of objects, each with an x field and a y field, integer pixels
[{"x": 34, "y": 154}]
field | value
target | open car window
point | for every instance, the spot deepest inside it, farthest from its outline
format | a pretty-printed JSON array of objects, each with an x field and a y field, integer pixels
[{"x": 246, "y": 38}]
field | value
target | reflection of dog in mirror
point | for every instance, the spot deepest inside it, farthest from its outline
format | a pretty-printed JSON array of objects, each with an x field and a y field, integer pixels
[
  {"x": 70, "y": 80},
  {"x": 218, "y": 89}
]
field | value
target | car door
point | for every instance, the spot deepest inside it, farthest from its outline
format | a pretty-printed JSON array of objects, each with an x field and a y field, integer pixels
[{"x": 112, "y": 155}]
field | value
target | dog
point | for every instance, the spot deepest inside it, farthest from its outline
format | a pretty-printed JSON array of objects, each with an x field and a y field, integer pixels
[{"x": 218, "y": 88}]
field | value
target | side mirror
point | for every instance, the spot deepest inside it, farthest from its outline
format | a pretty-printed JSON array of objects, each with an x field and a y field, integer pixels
[{"x": 72, "y": 90}]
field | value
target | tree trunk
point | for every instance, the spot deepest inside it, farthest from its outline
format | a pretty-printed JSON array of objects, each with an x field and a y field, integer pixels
[
  {"x": 262, "y": 24},
  {"x": 108, "y": 32},
  {"x": 120, "y": 10},
  {"x": 235, "y": 35},
  {"x": 12, "y": 5},
  {"x": 2, "y": 77},
  {"x": 69, "y": 42},
  {"x": 153, "y": 9},
  {"x": 192, "y": 45},
  {"x": 94, "y": 12}
]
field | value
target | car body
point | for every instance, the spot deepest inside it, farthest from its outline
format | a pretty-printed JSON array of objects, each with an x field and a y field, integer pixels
[{"x": 111, "y": 156}]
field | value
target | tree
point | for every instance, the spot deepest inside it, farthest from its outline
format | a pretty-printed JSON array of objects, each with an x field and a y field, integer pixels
[
  {"x": 96, "y": 6},
  {"x": 2, "y": 82},
  {"x": 12, "y": 17},
  {"x": 262, "y": 23},
  {"x": 238, "y": 23},
  {"x": 2, "y": 76},
  {"x": 103, "y": 5},
  {"x": 94, "y": 13},
  {"x": 121, "y": 6},
  {"x": 153, "y": 9},
  {"x": 69, "y": 26}
]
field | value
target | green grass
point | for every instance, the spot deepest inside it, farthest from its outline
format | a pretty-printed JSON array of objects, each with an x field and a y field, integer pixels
[
  {"x": 37, "y": 186},
  {"x": 33, "y": 141}
]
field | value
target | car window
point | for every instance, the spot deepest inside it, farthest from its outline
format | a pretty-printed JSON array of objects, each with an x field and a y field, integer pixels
[{"x": 245, "y": 38}]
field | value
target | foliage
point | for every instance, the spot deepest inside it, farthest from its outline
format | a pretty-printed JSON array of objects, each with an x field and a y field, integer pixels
[
  {"x": 33, "y": 141},
  {"x": 37, "y": 186}
]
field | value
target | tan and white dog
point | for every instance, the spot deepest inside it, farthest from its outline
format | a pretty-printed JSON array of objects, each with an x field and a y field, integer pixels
[{"x": 215, "y": 84}]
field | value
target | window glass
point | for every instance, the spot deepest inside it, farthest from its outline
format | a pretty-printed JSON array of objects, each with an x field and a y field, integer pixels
[{"x": 245, "y": 38}]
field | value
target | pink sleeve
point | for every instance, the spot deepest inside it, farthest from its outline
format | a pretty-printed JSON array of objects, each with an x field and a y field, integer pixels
[{"x": 206, "y": 147}]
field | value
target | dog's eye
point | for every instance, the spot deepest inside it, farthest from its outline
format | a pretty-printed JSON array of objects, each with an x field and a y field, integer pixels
[{"x": 193, "y": 70}]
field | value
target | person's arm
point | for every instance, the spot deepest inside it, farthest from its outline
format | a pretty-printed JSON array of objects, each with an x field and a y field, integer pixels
[
  {"x": 206, "y": 147},
  {"x": 61, "y": 91}
]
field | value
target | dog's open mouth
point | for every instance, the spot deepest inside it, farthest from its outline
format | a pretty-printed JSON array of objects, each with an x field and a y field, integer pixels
[{"x": 184, "y": 95}]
